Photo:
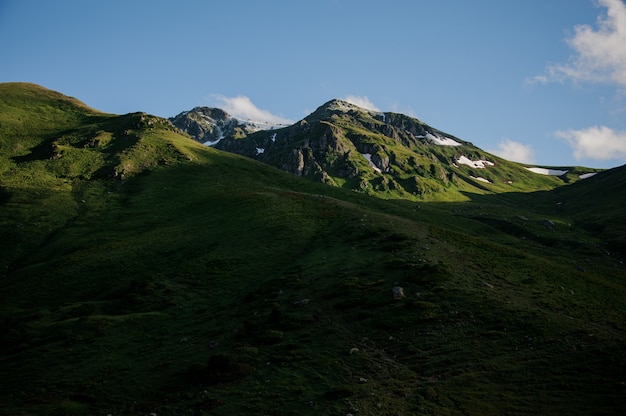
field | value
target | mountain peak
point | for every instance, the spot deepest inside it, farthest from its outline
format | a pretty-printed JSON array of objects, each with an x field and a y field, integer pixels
[
  {"x": 342, "y": 105},
  {"x": 335, "y": 106},
  {"x": 209, "y": 125}
]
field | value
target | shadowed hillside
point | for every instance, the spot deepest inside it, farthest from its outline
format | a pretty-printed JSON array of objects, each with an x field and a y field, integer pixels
[{"x": 145, "y": 273}]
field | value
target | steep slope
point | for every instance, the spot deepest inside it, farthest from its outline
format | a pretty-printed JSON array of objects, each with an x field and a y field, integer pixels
[
  {"x": 387, "y": 154},
  {"x": 156, "y": 275},
  {"x": 210, "y": 125}
]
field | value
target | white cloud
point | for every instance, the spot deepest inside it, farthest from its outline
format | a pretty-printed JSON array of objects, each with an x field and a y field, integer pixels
[
  {"x": 362, "y": 102},
  {"x": 242, "y": 107},
  {"x": 600, "y": 55},
  {"x": 515, "y": 151},
  {"x": 597, "y": 142}
]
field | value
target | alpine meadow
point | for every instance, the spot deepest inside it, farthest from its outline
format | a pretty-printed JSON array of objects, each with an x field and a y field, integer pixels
[{"x": 355, "y": 262}]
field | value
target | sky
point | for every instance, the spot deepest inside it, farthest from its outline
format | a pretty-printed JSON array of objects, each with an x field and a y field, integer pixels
[{"x": 541, "y": 82}]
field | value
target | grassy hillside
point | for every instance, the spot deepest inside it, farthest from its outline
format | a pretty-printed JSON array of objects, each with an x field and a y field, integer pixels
[{"x": 145, "y": 273}]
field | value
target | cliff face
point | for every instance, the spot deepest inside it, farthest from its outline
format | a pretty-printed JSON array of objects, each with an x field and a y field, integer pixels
[{"x": 210, "y": 125}]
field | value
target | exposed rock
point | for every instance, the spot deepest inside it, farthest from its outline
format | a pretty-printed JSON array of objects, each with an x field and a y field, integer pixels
[
  {"x": 398, "y": 293},
  {"x": 210, "y": 125},
  {"x": 294, "y": 163}
]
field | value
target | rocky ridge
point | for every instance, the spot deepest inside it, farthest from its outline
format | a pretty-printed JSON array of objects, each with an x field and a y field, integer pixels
[{"x": 383, "y": 153}]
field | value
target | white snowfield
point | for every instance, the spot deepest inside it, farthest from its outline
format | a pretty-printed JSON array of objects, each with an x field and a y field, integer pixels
[
  {"x": 555, "y": 172},
  {"x": 587, "y": 175},
  {"x": 479, "y": 164},
  {"x": 544, "y": 171},
  {"x": 478, "y": 178},
  {"x": 213, "y": 143},
  {"x": 438, "y": 140},
  {"x": 256, "y": 125},
  {"x": 368, "y": 156}
]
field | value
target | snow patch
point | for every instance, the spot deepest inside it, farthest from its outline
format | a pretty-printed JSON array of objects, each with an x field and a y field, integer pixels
[
  {"x": 273, "y": 138},
  {"x": 587, "y": 175},
  {"x": 259, "y": 150},
  {"x": 479, "y": 164},
  {"x": 260, "y": 125},
  {"x": 368, "y": 156},
  {"x": 544, "y": 171},
  {"x": 220, "y": 136},
  {"x": 438, "y": 140},
  {"x": 480, "y": 179}
]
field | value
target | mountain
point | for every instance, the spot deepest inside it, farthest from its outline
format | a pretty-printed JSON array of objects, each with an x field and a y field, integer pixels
[
  {"x": 142, "y": 272},
  {"x": 210, "y": 125},
  {"x": 384, "y": 154}
]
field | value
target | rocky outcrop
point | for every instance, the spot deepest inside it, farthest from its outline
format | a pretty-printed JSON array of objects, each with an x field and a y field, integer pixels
[{"x": 210, "y": 125}]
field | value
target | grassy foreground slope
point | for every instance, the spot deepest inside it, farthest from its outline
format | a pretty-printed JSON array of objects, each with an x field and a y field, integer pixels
[{"x": 145, "y": 273}]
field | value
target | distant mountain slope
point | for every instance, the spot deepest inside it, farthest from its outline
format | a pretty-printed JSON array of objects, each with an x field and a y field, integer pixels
[
  {"x": 144, "y": 273},
  {"x": 385, "y": 154}
]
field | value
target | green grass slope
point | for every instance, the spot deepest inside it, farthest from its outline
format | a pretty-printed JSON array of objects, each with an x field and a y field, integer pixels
[{"x": 144, "y": 273}]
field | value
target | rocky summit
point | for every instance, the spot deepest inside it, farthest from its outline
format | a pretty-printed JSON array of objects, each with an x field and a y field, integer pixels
[{"x": 210, "y": 125}]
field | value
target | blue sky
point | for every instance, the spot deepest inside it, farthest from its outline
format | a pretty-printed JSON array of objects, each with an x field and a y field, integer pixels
[{"x": 537, "y": 81}]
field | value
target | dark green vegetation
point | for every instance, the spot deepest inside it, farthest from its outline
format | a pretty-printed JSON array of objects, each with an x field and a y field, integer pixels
[{"x": 143, "y": 272}]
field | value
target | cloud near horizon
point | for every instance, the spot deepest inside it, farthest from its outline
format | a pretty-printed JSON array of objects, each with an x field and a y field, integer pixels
[
  {"x": 361, "y": 101},
  {"x": 242, "y": 107},
  {"x": 600, "y": 55},
  {"x": 514, "y": 151},
  {"x": 597, "y": 142}
]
